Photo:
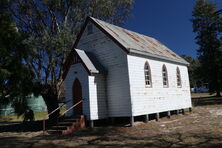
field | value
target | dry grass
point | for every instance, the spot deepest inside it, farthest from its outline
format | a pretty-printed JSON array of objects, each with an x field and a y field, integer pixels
[
  {"x": 37, "y": 115},
  {"x": 201, "y": 95},
  {"x": 201, "y": 128}
]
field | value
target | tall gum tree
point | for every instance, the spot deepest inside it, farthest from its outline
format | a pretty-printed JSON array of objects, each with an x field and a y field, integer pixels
[
  {"x": 207, "y": 24},
  {"x": 15, "y": 76},
  {"x": 52, "y": 27}
]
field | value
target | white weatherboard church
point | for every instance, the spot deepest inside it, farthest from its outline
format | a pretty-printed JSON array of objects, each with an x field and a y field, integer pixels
[{"x": 121, "y": 73}]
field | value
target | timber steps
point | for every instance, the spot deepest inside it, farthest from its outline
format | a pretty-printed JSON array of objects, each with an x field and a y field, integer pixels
[{"x": 68, "y": 125}]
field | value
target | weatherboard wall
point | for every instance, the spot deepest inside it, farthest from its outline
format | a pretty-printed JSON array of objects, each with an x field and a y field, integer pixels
[
  {"x": 97, "y": 97},
  {"x": 114, "y": 61},
  {"x": 147, "y": 100},
  {"x": 77, "y": 71}
]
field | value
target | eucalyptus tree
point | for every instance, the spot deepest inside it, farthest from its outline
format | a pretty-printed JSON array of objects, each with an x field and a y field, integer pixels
[
  {"x": 207, "y": 24},
  {"x": 52, "y": 27},
  {"x": 15, "y": 76},
  {"x": 193, "y": 70}
]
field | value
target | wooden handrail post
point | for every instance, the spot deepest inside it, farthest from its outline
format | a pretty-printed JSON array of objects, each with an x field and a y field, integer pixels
[
  {"x": 71, "y": 108},
  {"x": 44, "y": 120},
  {"x": 47, "y": 116},
  {"x": 43, "y": 126}
]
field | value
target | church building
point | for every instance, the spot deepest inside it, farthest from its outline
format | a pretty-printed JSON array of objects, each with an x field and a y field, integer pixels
[{"x": 121, "y": 73}]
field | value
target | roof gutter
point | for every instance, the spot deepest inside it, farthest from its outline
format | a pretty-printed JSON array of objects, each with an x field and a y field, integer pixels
[{"x": 133, "y": 51}]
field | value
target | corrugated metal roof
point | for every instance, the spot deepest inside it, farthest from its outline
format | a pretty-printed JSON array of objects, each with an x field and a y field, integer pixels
[
  {"x": 86, "y": 61},
  {"x": 135, "y": 41}
]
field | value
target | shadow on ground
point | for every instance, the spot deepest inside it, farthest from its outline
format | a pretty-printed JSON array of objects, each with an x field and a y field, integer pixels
[
  {"x": 18, "y": 126},
  {"x": 111, "y": 137},
  {"x": 206, "y": 101},
  {"x": 105, "y": 138},
  {"x": 194, "y": 131}
]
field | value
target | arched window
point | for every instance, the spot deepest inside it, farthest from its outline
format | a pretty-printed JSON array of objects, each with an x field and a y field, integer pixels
[
  {"x": 147, "y": 73},
  {"x": 165, "y": 76},
  {"x": 179, "y": 84}
]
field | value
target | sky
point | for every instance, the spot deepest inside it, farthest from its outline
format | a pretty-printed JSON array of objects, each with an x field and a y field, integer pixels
[{"x": 167, "y": 21}]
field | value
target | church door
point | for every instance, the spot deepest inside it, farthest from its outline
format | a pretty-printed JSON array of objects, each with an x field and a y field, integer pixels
[{"x": 77, "y": 96}]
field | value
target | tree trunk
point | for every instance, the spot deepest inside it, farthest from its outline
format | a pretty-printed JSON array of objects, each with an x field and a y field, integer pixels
[{"x": 51, "y": 101}]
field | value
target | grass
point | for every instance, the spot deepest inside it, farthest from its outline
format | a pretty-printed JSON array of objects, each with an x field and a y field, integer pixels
[
  {"x": 42, "y": 115},
  {"x": 200, "y": 95},
  {"x": 38, "y": 116},
  {"x": 201, "y": 128}
]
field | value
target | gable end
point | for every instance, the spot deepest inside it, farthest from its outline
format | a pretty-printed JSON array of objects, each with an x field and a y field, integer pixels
[
  {"x": 128, "y": 50},
  {"x": 101, "y": 29},
  {"x": 73, "y": 58}
]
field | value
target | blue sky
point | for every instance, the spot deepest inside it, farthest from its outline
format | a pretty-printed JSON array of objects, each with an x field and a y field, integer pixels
[{"x": 167, "y": 21}]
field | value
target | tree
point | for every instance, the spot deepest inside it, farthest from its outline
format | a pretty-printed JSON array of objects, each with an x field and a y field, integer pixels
[
  {"x": 52, "y": 26},
  {"x": 193, "y": 69},
  {"x": 207, "y": 26},
  {"x": 15, "y": 76}
]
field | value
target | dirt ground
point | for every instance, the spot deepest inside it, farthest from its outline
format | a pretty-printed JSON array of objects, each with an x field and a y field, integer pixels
[{"x": 201, "y": 128}]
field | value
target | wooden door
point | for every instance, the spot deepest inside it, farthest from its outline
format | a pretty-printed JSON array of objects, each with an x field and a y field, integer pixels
[{"x": 77, "y": 96}]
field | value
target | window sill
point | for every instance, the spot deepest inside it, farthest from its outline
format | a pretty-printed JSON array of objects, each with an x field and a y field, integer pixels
[{"x": 148, "y": 86}]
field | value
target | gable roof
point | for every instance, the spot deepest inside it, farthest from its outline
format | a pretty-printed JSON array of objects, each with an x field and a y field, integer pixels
[
  {"x": 131, "y": 42},
  {"x": 138, "y": 43}
]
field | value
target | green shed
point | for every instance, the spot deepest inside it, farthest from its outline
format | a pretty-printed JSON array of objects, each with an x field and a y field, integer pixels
[{"x": 37, "y": 104}]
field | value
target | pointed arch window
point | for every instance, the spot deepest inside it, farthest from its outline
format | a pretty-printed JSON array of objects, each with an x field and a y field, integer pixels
[
  {"x": 179, "y": 83},
  {"x": 147, "y": 73},
  {"x": 165, "y": 76}
]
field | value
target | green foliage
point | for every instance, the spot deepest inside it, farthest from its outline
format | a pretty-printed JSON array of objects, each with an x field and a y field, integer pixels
[
  {"x": 51, "y": 27},
  {"x": 207, "y": 26},
  {"x": 193, "y": 70},
  {"x": 15, "y": 77}
]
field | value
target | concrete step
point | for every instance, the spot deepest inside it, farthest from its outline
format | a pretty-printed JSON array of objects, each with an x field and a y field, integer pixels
[{"x": 68, "y": 125}]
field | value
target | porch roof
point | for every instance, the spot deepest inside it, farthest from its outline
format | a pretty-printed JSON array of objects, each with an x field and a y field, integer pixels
[{"x": 89, "y": 62}]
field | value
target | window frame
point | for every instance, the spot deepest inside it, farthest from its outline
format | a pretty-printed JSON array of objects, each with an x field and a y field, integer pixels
[
  {"x": 180, "y": 79},
  {"x": 147, "y": 69},
  {"x": 166, "y": 72}
]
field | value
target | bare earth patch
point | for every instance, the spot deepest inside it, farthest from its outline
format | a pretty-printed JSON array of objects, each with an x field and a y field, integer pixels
[{"x": 201, "y": 128}]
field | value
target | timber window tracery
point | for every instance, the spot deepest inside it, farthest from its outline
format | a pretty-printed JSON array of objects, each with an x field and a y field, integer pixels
[
  {"x": 179, "y": 84},
  {"x": 147, "y": 73},
  {"x": 165, "y": 76}
]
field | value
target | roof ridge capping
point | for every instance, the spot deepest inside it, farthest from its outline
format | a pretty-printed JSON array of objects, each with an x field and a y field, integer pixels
[{"x": 137, "y": 43}]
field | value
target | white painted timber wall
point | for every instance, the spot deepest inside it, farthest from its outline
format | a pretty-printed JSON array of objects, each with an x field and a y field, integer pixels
[
  {"x": 114, "y": 60},
  {"x": 93, "y": 92},
  {"x": 97, "y": 97},
  {"x": 157, "y": 99},
  {"x": 79, "y": 72}
]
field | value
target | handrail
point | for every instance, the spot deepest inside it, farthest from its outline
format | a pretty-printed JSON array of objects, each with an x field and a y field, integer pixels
[
  {"x": 44, "y": 119},
  {"x": 71, "y": 108},
  {"x": 44, "y": 127},
  {"x": 55, "y": 110}
]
